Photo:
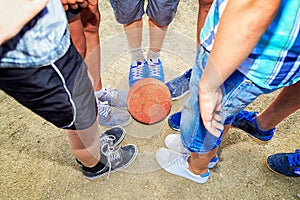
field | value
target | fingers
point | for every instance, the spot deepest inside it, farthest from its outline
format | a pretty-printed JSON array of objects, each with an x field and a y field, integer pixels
[
  {"x": 74, "y": 4},
  {"x": 84, "y": 4}
]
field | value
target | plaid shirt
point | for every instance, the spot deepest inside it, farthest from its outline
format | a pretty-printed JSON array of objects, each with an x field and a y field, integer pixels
[
  {"x": 41, "y": 42},
  {"x": 275, "y": 60}
]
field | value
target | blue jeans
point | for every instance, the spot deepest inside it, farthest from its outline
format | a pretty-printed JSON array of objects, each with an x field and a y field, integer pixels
[{"x": 238, "y": 92}]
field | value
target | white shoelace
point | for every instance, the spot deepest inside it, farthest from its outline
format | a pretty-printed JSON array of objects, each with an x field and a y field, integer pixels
[
  {"x": 112, "y": 154},
  {"x": 106, "y": 139},
  {"x": 181, "y": 161},
  {"x": 112, "y": 94},
  {"x": 137, "y": 70},
  {"x": 154, "y": 68},
  {"x": 103, "y": 108}
]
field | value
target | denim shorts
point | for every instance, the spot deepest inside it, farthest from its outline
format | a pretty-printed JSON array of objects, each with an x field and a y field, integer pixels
[
  {"x": 238, "y": 92},
  {"x": 161, "y": 11}
]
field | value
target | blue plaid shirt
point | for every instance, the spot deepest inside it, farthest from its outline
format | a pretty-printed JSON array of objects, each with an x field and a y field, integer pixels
[
  {"x": 41, "y": 42},
  {"x": 275, "y": 60}
]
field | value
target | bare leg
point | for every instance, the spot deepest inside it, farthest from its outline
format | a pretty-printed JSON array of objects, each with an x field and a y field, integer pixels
[
  {"x": 85, "y": 145},
  {"x": 157, "y": 35},
  {"x": 84, "y": 30},
  {"x": 133, "y": 33},
  {"x": 287, "y": 102},
  {"x": 77, "y": 35},
  {"x": 90, "y": 18}
]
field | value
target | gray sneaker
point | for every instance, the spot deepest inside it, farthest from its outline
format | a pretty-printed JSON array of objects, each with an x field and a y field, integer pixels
[
  {"x": 114, "y": 97},
  {"x": 111, "y": 137},
  {"x": 110, "y": 116},
  {"x": 115, "y": 159}
]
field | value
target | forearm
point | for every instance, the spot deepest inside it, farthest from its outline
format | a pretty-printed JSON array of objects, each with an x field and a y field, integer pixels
[{"x": 240, "y": 28}]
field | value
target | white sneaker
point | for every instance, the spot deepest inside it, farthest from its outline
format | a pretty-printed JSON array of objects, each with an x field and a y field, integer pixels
[
  {"x": 173, "y": 142},
  {"x": 176, "y": 163}
]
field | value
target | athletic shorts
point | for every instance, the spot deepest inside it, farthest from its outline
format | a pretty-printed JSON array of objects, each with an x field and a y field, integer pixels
[
  {"x": 61, "y": 93},
  {"x": 161, "y": 11},
  {"x": 238, "y": 92}
]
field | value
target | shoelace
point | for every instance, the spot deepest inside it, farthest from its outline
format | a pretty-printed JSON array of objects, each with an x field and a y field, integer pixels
[
  {"x": 112, "y": 94},
  {"x": 294, "y": 160},
  {"x": 103, "y": 108},
  {"x": 154, "y": 67},
  {"x": 107, "y": 139},
  {"x": 137, "y": 70},
  {"x": 112, "y": 154},
  {"x": 181, "y": 161}
]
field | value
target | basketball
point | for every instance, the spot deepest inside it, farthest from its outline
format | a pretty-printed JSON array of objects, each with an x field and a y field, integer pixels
[{"x": 149, "y": 101}]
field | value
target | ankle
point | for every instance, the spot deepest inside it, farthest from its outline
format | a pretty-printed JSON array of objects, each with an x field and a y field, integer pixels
[
  {"x": 152, "y": 54},
  {"x": 196, "y": 170},
  {"x": 137, "y": 54},
  {"x": 261, "y": 125}
]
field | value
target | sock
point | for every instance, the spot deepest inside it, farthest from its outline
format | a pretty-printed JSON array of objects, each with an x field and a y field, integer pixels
[
  {"x": 99, "y": 93},
  {"x": 99, "y": 166},
  {"x": 259, "y": 126},
  {"x": 152, "y": 54},
  {"x": 137, "y": 54}
]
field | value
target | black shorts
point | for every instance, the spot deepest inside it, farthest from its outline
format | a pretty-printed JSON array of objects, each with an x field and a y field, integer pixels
[{"x": 61, "y": 93}]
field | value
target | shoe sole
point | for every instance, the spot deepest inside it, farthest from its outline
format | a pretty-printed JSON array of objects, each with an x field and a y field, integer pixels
[
  {"x": 118, "y": 169},
  {"x": 273, "y": 171},
  {"x": 176, "y": 98},
  {"x": 122, "y": 125},
  {"x": 258, "y": 140},
  {"x": 175, "y": 129},
  {"x": 270, "y": 169},
  {"x": 254, "y": 138}
]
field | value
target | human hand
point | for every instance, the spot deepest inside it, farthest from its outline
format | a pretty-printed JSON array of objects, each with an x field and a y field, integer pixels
[
  {"x": 15, "y": 14},
  {"x": 74, "y": 4},
  {"x": 210, "y": 102}
]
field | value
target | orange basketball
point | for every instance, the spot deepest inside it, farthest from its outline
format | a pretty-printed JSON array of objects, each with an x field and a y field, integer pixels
[{"x": 149, "y": 101}]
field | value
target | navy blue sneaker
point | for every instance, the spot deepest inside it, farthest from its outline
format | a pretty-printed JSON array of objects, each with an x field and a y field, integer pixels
[
  {"x": 180, "y": 86},
  {"x": 245, "y": 121},
  {"x": 174, "y": 121},
  {"x": 287, "y": 164},
  {"x": 138, "y": 71},
  {"x": 156, "y": 69}
]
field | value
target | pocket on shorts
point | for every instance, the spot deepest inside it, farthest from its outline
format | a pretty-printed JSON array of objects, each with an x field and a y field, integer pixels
[{"x": 238, "y": 98}]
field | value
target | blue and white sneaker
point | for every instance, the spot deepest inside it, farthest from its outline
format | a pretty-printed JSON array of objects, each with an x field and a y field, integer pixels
[
  {"x": 156, "y": 69},
  {"x": 114, "y": 97},
  {"x": 180, "y": 86},
  {"x": 287, "y": 164},
  {"x": 173, "y": 142},
  {"x": 174, "y": 121},
  {"x": 176, "y": 163},
  {"x": 245, "y": 121},
  {"x": 110, "y": 116},
  {"x": 138, "y": 71}
]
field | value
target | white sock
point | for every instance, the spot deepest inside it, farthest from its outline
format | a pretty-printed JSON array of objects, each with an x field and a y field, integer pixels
[
  {"x": 137, "y": 54},
  {"x": 99, "y": 93},
  {"x": 152, "y": 54}
]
